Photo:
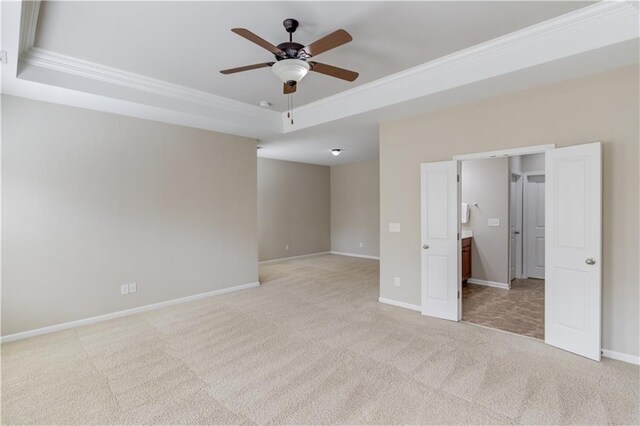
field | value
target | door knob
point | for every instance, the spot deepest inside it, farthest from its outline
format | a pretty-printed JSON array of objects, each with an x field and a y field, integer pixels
[
  {"x": 517, "y": 232},
  {"x": 426, "y": 246},
  {"x": 590, "y": 261}
]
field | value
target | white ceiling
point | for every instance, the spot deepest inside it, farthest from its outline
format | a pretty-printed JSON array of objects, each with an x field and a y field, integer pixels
[
  {"x": 159, "y": 61},
  {"x": 187, "y": 43}
]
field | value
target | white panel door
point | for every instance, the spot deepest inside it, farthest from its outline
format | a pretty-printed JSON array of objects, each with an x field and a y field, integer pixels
[
  {"x": 534, "y": 218},
  {"x": 573, "y": 249},
  {"x": 441, "y": 273},
  {"x": 515, "y": 226}
]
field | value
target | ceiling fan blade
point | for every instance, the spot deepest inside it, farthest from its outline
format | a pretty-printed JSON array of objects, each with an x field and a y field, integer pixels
[
  {"x": 242, "y": 32},
  {"x": 333, "y": 71},
  {"x": 289, "y": 89},
  {"x": 246, "y": 68},
  {"x": 335, "y": 39}
]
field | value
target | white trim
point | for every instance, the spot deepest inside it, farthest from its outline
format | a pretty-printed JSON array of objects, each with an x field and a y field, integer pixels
[
  {"x": 525, "y": 218},
  {"x": 193, "y": 110},
  {"x": 262, "y": 262},
  {"x": 489, "y": 283},
  {"x": 510, "y": 152},
  {"x": 118, "y": 314},
  {"x": 52, "y": 77},
  {"x": 364, "y": 256},
  {"x": 400, "y": 304},
  {"x": 519, "y": 220},
  {"x": 601, "y": 24},
  {"x": 28, "y": 24},
  {"x": 72, "y": 66},
  {"x": 631, "y": 359}
]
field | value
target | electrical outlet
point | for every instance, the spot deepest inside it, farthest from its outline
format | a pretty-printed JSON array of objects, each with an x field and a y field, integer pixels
[
  {"x": 286, "y": 247},
  {"x": 396, "y": 281},
  {"x": 493, "y": 222},
  {"x": 124, "y": 289},
  {"x": 361, "y": 244},
  {"x": 394, "y": 227},
  {"x": 133, "y": 287}
]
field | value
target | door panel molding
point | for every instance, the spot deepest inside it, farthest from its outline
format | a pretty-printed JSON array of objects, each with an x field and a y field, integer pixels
[
  {"x": 573, "y": 285},
  {"x": 441, "y": 273}
]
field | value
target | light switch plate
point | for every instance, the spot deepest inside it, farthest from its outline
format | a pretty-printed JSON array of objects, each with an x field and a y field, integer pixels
[
  {"x": 494, "y": 222},
  {"x": 133, "y": 287},
  {"x": 394, "y": 227},
  {"x": 124, "y": 289}
]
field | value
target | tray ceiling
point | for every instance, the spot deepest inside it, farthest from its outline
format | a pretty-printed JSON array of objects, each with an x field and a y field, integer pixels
[{"x": 187, "y": 43}]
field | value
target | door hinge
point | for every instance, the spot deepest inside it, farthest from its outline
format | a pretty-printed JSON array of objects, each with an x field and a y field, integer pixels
[
  {"x": 458, "y": 294},
  {"x": 458, "y": 178},
  {"x": 458, "y": 235}
]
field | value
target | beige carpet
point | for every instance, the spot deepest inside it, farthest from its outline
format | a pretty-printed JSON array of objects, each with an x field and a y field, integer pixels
[
  {"x": 518, "y": 310},
  {"x": 311, "y": 345}
]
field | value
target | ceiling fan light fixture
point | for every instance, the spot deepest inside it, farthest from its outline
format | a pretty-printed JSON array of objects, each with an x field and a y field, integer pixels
[
  {"x": 336, "y": 151},
  {"x": 290, "y": 70}
]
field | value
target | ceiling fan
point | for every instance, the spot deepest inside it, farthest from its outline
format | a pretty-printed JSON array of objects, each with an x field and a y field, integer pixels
[{"x": 292, "y": 59}]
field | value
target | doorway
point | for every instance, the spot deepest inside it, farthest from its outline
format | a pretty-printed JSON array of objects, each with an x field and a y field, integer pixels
[
  {"x": 570, "y": 233},
  {"x": 502, "y": 221}
]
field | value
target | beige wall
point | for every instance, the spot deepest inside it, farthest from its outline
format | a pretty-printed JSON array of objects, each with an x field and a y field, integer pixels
[
  {"x": 293, "y": 209},
  {"x": 601, "y": 107},
  {"x": 487, "y": 183},
  {"x": 355, "y": 208},
  {"x": 91, "y": 201}
]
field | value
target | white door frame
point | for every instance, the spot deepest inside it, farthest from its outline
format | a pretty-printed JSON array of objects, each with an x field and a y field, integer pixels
[
  {"x": 523, "y": 151},
  {"x": 509, "y": 152},
  {"x": 519, "y": 221},
  {"x": 525, "y": 253}
]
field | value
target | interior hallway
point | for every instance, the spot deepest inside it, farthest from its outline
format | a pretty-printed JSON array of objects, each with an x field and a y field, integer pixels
[
  {"x": 311, "y": 345},
  {"x": 518, "y": 310}
]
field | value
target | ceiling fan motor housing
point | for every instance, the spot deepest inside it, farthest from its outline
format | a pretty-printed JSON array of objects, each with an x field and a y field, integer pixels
[{"x": 290, "y": 49}]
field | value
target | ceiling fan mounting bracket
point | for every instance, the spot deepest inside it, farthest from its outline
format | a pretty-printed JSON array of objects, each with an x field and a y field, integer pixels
[{"x": 290, "y": 25}]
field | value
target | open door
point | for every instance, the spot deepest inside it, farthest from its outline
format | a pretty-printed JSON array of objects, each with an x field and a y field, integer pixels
[
  {"x": 515, "y": 226},
  {"x": 573, "y": 249},
  {"x": 441, "y": 274},
  {"x": 534, "y": 224}
]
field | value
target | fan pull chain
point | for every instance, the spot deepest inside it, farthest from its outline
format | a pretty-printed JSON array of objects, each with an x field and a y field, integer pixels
[{"x": 291, "y": 108}]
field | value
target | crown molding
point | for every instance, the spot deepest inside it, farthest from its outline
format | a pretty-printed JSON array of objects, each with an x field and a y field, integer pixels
[
  {"x": 601, "y": 24},
  {"x": 28, "y": 24},
  {"x": 52, "y": 77},
  {"x": 68, "y": 65}
]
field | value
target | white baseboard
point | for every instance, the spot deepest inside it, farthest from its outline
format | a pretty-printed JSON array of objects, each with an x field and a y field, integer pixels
[
  {"x": 293, "y": 257},
  {"x": 400, "y": 304},
  {"x": 364, "y": 256},
  {"x": 118, "y": 314},
  {"x": 631, "y": 359},
  {"x": 489, "y": 283}
]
